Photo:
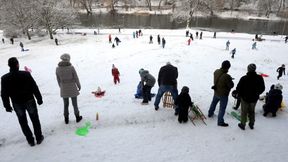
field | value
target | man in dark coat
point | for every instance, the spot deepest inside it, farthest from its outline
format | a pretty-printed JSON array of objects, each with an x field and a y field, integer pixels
[
  {"x": 281, "y": 71},
  {"x": 167, "y": 82},
  {"x": 163, "y": 42},
  {"x": 20, "y": 87},
  {"x": 158, "y": 39},
  {"x": 273, "y": 100},
  {"x": 222, "y": 86},
  {"x": 249, "y": 88}
]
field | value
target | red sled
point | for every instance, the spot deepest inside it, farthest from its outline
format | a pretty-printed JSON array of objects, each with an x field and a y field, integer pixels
[{"x": 99, "y": 94}]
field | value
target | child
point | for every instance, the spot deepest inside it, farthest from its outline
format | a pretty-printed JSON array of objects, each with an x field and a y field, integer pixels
[
  {"x": 237, "y": 98},
  {"x": 183, "y": 102},
  {"x": 110, "y": 38},
  {"x": 281, "y": 70},
  {"x": 115, "y": 73},
  {"x": 227, "y": 45},
  {"x": 233, "y": 53},
  {"x": 254, "y": 46},
  {"x": 273, "y": 100}
]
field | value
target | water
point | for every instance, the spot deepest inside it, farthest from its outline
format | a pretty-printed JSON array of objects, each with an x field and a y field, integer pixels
[{"x": 164, "y": 22}]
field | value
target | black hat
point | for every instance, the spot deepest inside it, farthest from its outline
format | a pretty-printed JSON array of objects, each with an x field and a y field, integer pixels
[
  {"x": 185, "y": 89},
  {"x": 251, "y": 68},
  {"x": 226, "y": 64},
  {"x": 13, "y": 62}
]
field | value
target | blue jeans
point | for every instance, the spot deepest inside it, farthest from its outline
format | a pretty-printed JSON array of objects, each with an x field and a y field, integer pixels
[
  {"x": 223, "y": 103},
  {"x": 166, "y": 88},
  {"x": 31, "y": 108}
]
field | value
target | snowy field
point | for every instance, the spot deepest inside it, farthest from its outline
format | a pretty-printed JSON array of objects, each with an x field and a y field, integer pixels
[{"x": 129, "y": 131}]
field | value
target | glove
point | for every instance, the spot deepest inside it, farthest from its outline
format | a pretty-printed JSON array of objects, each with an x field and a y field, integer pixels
[
  {"x": 40, "y": 102},
  {"x": 9, "y": 109}
]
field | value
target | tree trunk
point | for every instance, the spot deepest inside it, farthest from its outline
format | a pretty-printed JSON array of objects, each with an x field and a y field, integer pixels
[{"x": 159, "y": 6}]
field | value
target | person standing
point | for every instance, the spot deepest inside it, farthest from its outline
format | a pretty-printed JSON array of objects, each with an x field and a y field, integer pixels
[
  {"x": 197, "y": 35},
  {"x": 56, "y": 41},
  {"x": 147, "y": 81},
  {"x": 21, "y": 88},
  {"x": 117, "y": 40},
  {"x": 201, "y": 34},
  {"x": 115, "y": 74},
  {"x": 214, "y": 35},
  {"x": 183, "y": 103},
  {"x": 167, "y": 82},
  {"x": 286, "y": 39},
  {"x": 3, "y": 41},
  {"x": 163, "y": 42},
  {"x": 151, "y": 39},
  {"x": 187, "y": 33},
  {"x": 222, "y": 85},
  {"x": 233, "y": 52},
  {"x": 158, "y": 39},
  {"x": 22, "y": 46},
  {"x": 12, "y": 40},
  {"x": 254, "y": 46},
  {"x": 249, "y": 88},
  {"x": 281, "y": 71},
  {"x": 227, "y": 45},
  {"x": 69, "y": 85},
  {"x": 110, "y": 38}
]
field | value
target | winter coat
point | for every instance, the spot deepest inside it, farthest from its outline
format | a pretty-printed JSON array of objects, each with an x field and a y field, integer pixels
[
  {"x": 168, "y": 75},
  {"x": 147, "y": 78},
  {"x": 223, "y": 82},
  {"x": 281, "y": 70},
  {"x": 19, "y": 86},
  {"x": 67, "y": 80},
  {"x": 115, "y": 72},
  {"x": 183, "y": 101},
  {"x": 273, "y": 100},
  {"x": 250, "y": 87}
]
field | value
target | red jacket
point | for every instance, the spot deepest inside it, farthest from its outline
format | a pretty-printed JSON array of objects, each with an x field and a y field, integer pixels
[{"x": 115, "y": 72}]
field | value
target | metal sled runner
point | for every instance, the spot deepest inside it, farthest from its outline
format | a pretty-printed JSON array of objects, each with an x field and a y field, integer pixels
[{"x": 196, "y": 114}]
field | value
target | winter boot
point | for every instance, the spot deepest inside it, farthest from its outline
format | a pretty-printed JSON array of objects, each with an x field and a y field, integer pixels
[
  {"x": 241, "y": 126},
  {"x": 66, "y": 120},
  {"x": 251, "y": 126},
  {"x": 40, "y": 140},
  {"x": 78, "y": 118}
]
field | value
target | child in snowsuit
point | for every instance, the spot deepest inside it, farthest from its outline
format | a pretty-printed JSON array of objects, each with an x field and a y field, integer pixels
[
  {"x": 254, "y": 46},
  {"x": 273, "y": 100},
  {"x": 115, "y": 74},
  {"x": 233, "y": 53},
  {"x": 183, "y": 101},
  {"x": 281, "y": 70},
  {"x": 227, "y": 45},
  {"x": 237, "y": 98}
]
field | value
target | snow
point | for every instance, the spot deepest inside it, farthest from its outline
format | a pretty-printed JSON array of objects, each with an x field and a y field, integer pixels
[{"x": 129, "y": 131}]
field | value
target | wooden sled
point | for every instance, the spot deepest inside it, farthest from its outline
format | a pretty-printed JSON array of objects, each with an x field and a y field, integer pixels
[
  {"x": 168, "y": 101},
  {"x": 196, "y": 114}
]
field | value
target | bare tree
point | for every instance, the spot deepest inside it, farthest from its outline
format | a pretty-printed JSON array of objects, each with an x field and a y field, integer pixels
[
  {"x": 148, "y": 2},
  {"x": 87, "y": 5}
]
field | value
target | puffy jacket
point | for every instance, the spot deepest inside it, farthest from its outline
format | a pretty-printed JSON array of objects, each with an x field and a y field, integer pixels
[
  {"x": 273, "y": 100},
  {"x": 168, "y": 75},
  {"x": 115, "y": 72},
  {"x": 67, "y": 80},
  {"x": 250, "y": 87},
  {"x": 20, "y": 87},
  {"x": 223, "y": 82},
  {"x": 147, "y": 78}
]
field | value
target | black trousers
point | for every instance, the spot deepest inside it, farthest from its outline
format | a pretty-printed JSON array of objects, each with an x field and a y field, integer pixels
[
  {"x": 146, "y": 93},
  {"x": 31, "y": 108}
]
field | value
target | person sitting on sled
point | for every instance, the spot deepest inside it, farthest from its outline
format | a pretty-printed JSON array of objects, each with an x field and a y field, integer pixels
[{"x": 273, "y": 100}]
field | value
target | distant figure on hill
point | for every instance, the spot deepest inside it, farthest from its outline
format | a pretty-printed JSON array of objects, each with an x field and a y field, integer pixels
[
  {"x": 233, "y": 52},
  {"x": 163, "y": 42},
  {"x": 191, "y": 36},
  {"x": 256, "y": 37},
  {"x": 119, "y": 29},
  {"x": 227, "y": 45},
  {"x": 117, "y": 40},
  {"x": 140, "y": 32},
  {"x": 151, "y": 39},
  {"x": 189, "y": 41},
  {"x": 158, "y": 39},
  {"x": 115, "y": 74},
  {"x": 22, "y": 46},
  {"x": 187, "y": 33},
  {"x": 201, "y": 34},
  {"x": 110, "y": 38},
  {"x": 286, "y": 39},
  {"x": 281, "y": 70},
  {"x": 214, "y": 35},
  {"x": 56, "y": 41},
  {"x": 134, "y": 34},
  {"x": 12, "y": 40},
  {"x": 3, "y": 41},
  {"x": 197, "y": 35},
  {"x": 254, "y": 46}
]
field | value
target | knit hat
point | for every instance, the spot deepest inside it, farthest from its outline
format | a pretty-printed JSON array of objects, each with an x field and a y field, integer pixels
[
  {"x": 13, "y": 63},
  {"x": 278, "y": 86},
  {"x": 225, "y": 65},
  {"x": 65, "y": 57},
  {"x": 185, "y": 89},
  {"x": 141, "y": 70},
  {"x": 251, "y": 68}
]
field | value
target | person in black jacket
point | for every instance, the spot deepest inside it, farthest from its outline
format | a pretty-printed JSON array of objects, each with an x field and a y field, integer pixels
[
  {"x": 167, "y": 82},
  {"x": 20, "y": 87},
  {"x": 273, "y": 100},
  {"x": 249, "y": 88},
  {"x": 183, "y": 103},
  {"x": 281, "y": 71}
]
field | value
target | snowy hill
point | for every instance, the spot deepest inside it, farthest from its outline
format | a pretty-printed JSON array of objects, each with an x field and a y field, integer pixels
[{"x": 129, "y": 131}]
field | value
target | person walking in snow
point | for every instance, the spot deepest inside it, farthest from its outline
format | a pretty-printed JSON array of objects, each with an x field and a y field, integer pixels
[
  {"x": 115, "y": 74},
  {"x": 233, "y": 52},
  {"x": 22, "y": 46},
  {"x": 214, "y": 35},
  {"x": 191, "y": 36},
  {"x": 280, "y": 70},
  {"x": 158, "y": 39},
  {"x": 21, "y": 89},
  {"x": 151, "y": 39},
  {"x": 134, "y": 34},
  {"x": 197, "y": 35},
  {"x": 163, "y": 42},
  {"x": 12, "y": 40},
  {"x": 201, "y": 34},
  {"x": 249, "y": 88},
  {"x": 110, "y": 38},
  {"x": 167, "y": 82},
  {"x": 187, "y": 33},
  {"x": 147, "y": 81},
  {"x": 3, "y": 41},
  {"x": 227, "y": 45},
  {"x": 56, "y": 41},
  {"x": 273, "y": 100},
  {"x": 117, "y": 40},
  {"x": 183, "y": 102},
  {"x": 254, "y": 46},
  {"x": 69, "y": 85},
  {"x": 222, "y": 85}
]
